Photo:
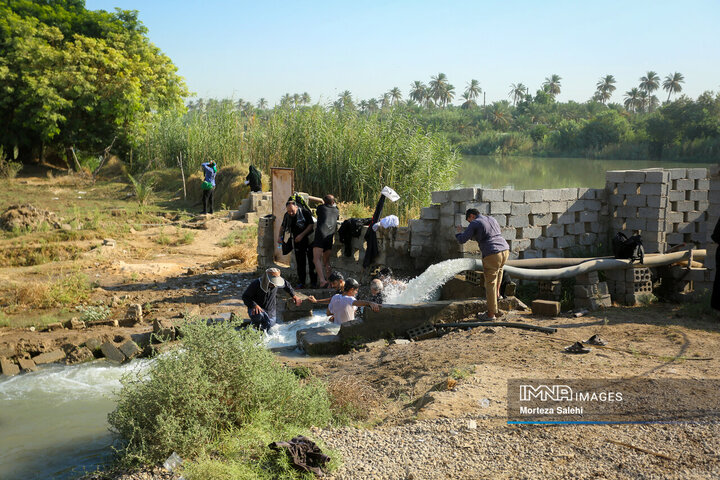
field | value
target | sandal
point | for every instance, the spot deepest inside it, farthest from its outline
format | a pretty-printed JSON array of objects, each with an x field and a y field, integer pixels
[
  {"x": 577, "y": 347},
  {"x": 595, "y": 340}
]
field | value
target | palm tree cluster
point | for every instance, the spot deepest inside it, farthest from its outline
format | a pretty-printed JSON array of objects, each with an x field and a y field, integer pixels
[
  {"x": 642, "y": 99},
  {"x": 295, "y": 100}
]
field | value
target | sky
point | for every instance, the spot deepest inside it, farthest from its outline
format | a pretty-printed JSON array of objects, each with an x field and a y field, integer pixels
[{"x": 249, "y": 50}]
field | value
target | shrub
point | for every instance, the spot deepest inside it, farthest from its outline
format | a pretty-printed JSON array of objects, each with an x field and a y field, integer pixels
[
  {"x": 143, "y": 189},
  {"x": 220, "y": 381},
  {"x": 93, "y": 314},
  {"x": 8, "y": 168}
]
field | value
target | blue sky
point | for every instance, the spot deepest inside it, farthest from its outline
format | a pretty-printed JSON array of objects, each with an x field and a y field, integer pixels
[{"x": 267, "y": 48}]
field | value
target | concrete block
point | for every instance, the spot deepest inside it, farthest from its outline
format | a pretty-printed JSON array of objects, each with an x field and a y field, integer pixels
[
  {"x": 482, "y": 207},
  {"x": 440, "y": 197},
  {"x": 491, "y": 195},
  {"x": 565, "y": 242},
  {"x": 575, "y": 228},
  {"x": 702, "y": 184},
  {"x": 112, "y": 353},
  {"x": 699, "y": 237},
  {"x": 545, "y": 308},
  {"x": 699, "y": 195},
  {"x": 519, "y": 244},
  {"x": 587, "y": 239},
  {"x": 554, "y": 253},
  {"x": 558, "y": 207},
  {"x": 683, "y": 184},
  {"x": 697, "y": 173},
  {"x": 514, "y": 195},
  {"x": 653, "y": 189},
  {"x": 320, "y": 341},
  {"x": 593, "y": 205},
  {"x": 551, "y": 195},
  {"x": 130, "y": 349},
  {"x": 447, "y": 209},
  {"x": 543, "y": 243},
  {"x": 430, "y": 213},
  {"x": 576, "y": 206},
  {"x": 636, "y": 200},
  {"x": 676, "y": 195},
  {"x": 555, "y": 230},
  {"x": 501, "y": 219},
  {"x": 541, "y": 219},
  {"x": 532, "y": 196},
  {"x": 634, "y": 176},
  {"x": 568, "y": 194},
  {"x": 656, "y": 201},
  {"x": 684, "y": 228},
  {"x": 626, "y": 212},
  {"x": 694, "y": 216},
  {"x": 615, "y": 176},
  {"x": 586, "y": 290},
  {"x": 617, "y": 223},
  {"x": 566, "y": 218},
  {"x": 27, "y": 364},
  {"x": 702, "y": 205},
  {"x": 531, "y": 253},
  {"x": 587, "y": 278},
  {"x": 500, "y": 208},
  {"x": 588, "y": 216},
  {"x": 683, "y": 206},
  {"x": 459, "y": 222},
  {"x": 463, "y": 194},
  {"x": 509, "y": 233},
  {"x": 541, "y": 207},
  {"x": 582, "y": 193},
  {"x": 676, "y": 173},
  {"x": 595, "y": 227},
  {"x": 617, "y": 200},
  {"x": 518, "y": 221},
  {"x": 654, "y": 225},
  {"x": 674, "y": 217},
  {"x": 595, "y": 303},
  {"x": 627, "y": 188},
  {"x": 657, "y": 176},
  {"x": 520, "y": 209},
  {"x": 530, "y": 232},
  {"x": 647, "y": 212},
  {"x": 49, "y": 357}
]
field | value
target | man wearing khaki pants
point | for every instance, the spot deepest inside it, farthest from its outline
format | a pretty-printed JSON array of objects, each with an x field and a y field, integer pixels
[{"x": 485, "y": 231}]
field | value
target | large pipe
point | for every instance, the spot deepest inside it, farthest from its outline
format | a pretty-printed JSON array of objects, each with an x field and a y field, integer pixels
[
  {"x": 569, "y": 262},
  {"x": 593, "y": 265}
]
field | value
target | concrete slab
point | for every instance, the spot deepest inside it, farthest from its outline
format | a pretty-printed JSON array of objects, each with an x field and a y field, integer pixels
[
  {"x": 320, "y": 341},
  {"x": 49, "y": 357}
]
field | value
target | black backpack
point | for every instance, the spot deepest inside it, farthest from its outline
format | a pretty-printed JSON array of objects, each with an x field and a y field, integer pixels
[{"x": 631, "y": 248}]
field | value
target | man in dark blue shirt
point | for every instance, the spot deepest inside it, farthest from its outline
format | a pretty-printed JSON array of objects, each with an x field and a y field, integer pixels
[
  {"x": 495, "y": 250},
  {"x": 260, "y": 297}
]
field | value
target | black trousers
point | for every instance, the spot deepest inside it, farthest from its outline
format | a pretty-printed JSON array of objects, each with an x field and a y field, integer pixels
[
  {"x": 207, "y": 200},
  {"x": 304, "y": 259}
]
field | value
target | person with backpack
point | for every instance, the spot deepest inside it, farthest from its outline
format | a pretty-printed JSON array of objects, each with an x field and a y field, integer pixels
[
  {"x": 327, "y": 219},
  {"x": 298, "y": 221},
  {"x": 208, "y": 186}
]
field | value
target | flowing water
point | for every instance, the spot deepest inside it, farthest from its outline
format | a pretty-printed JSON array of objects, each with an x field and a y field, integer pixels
[
  {"x": 426, "y": 287},
  {"x": 285, "y": 334}
]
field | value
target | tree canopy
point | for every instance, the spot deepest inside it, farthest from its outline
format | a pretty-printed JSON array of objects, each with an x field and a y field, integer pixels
[{"x": 75, "y": 77}]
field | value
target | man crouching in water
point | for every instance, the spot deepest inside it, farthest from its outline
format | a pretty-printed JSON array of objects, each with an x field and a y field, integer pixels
[{"x": 260, "y": 297}]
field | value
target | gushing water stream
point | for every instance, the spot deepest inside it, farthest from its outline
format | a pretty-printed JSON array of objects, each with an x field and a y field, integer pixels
[{"x": 426, "y": 287}]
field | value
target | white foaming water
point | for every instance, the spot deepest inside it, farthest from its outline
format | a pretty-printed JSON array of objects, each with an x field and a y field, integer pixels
[
  {"x": 284, "y": 334},
  {"x": 425, "y": 287}
]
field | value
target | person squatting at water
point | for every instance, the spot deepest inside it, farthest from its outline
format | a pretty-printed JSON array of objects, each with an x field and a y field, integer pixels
[
  {"x": 343, "y": 306},
  {"x": 208, "y": 186},
  {"x": 327, "y": 219},
  {"x": 485, "y": 230},
  {"x": 299, "y": 222},
  {"x": 260, "y": 297},
  {"x": 254, "y": 179},
  {"x": 337, "y": 282}
]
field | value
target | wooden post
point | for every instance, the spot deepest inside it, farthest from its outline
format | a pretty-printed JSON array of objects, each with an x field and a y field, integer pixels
[{"x": 182, "y": 172}]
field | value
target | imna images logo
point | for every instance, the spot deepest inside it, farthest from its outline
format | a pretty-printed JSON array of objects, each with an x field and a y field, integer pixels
[{"x": 544, "y": 393}]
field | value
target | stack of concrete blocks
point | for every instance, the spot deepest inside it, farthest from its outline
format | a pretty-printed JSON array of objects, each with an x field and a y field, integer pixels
[
  {"x": 688, "y": 202},
  {"x": 266, "y": 242},
  {"x": 629, "y": 285},
  {"x": 591, "y": 293},
  {"x": 549, "y": 290},
  {"x": 638, "y": 201},
  {"x": 713, "y": 216},
  {"x": 256, "y": 205}
]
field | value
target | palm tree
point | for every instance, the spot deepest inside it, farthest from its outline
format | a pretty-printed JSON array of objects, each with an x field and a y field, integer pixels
[
  {"x": 643, "y": 100},
  {"x": 285, "y": 100},
  {"x": 438, "y": 86},
  {"x": 345, "y": 100},
  {"x": 418, "y": 91},
  {"x": 605, "y": 87},
  {"x": 395, "y": 96},
  {"x": 500, "y": 114},
  {"x": 469, "y": 101},
  {"x": 305, "y": 98},
  {"x": 650, "y": 82},
  {"x": 448, "y": 94},
  {"x": 385, "y": 100},
  {"x": 517, "y": 90},
  {"x": 262, "y": 104},
  {"x": 363, "y": 106},
  {"x": 372, "y": 105},
  {"x": 653, "y": 103},
  {"x": 296, "y": 100},
  {"x": 672, "y": 83},
  {"x": 631, "y": 99},
  {"x": 473, "y": 90},
  {"x": 552, "y": 84}
]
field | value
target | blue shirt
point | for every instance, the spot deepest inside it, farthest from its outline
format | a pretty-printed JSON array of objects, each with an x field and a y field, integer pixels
[
  {"x": 486, "y": 232},
  {"x": 209, "y": 173}
]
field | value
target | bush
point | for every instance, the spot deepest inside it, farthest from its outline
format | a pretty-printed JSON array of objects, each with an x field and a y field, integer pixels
[
  {"x": 93, "y": 314},
  {"x": 8, "y": 168},
  {"x": 220, "y": 382}
]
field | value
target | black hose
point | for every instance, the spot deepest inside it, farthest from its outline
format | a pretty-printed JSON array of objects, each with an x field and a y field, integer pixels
[{"x": 523, "y": 326}]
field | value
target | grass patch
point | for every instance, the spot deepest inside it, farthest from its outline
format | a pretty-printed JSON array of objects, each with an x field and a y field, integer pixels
[
  {"x": 93, "y": 314},
  {"x": 180, "y": 238},
  {"x": 699, "y": 307},
  {"x": 353, "y": 398},
  {"x": 216, "y": 401},
  {"x": 354, "y": 210},
  {"x": 28, "y": 256},
  {"x": 66, "y": 290}
]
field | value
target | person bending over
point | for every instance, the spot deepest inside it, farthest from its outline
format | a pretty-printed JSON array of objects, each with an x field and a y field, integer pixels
[
  {"x": 343, "y": 306},
  {"x": 208, "y": 186},
  {"x": 485, "y": 230},
  {"x": 260, "y": 298},
  {"x": 327, "y": 219}
]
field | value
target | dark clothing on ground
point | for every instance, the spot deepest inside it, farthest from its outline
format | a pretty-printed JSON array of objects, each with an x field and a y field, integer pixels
[
  {"x": 303, "y": 250},
  {"x": 715, "y": 299},
  {"x": 254, "y": 179},
  {"x": 327, "y": 218},
  {"x": 255, "y": 295},
  {"x": 306, "y": 456},
  {"x": 207, "y": 200},
  {"x": 350, "y": 228},
  {"x": 485, "y": 231}
]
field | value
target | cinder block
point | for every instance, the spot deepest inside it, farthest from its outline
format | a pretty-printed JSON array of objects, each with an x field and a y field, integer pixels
[
  {"x": 491, "y": 195},
  {"x": 532, "y": 196},
  {"x": 647, "y": 212},
  {"x": 699, "y": 195},
  {"x": 653, "y": 189},
  {"x": 676, "y": 173},
  {"x": 593, "y": 205},
  {"x": 531, "y": 253},
  {"x": 702, "y": 184},
  {"x": 674, "y": 217},
  {"x": 697, "y": 173},
  {"x": 569, "y": 194},
  {"x": 555, "y": 230},
  {"x": 551, "y": 195},
  {"x": 530, "y": 232},
  {"x": 654, "y": 225},
  {"x": 627, "y": 212},
  {"x": 541, "y": 207},
  {"x": 520, "y": 209},
  {"x": 541, "y": 219},
  {"x": 430, "y": 213},
  {"x": 699, "y": 237},
  {"x": 684, "y": 206},
  {"x": 684, "y": 228},
  {"x": 587, "y": 278},
  {"x": 8, "y": 367},
  {"x": 543, "y": 243},
  {"x": 617, "y": 223},
  {"x": 501, "y": 219},
  {"x": 514, "y": 195},
  {"x": 49, "y": 357},
  {"x": 634, "y": 176},
  {"x": 518, "y": 221},
  {"x": 500, "y": 208},
  {"x": 482, "y": 207},
  {"x": 565, "y": 241},
  {"x": 636, "y": 200},
  {"x": 656, "y": 201},
  {"x": 616, "y": 200},
  {"x": 575, "y": 228},
  {"x": 519, "y": 245},
  {"x": 447, "y": 209},
  {"x": 627, "y": 188},
  {"x": 657, "y": 176},
  {"x": 615, "y": 176},
  {"x": 566, "y": 218},
  {"x": 463, "y": 194},
  {"x": 674, "y": 238},
  {"x": 545, "y": 307},
  {"x": 676, "y": 195},
  {"x": 683, "y": 184},
  {"x": 586, "y": 291},
  {"x": 588, "y": 216},
  {"x": 595, "y": 227},
  {"x": 509, "y": 233},
  {"x": 587, "y": 239},
  {"x": 440, "y": 197},
  {"x": 694, "y": 216},
  {"x": 594, "y": 303},
  {"x": 576, "y": 206},
  {"x": 557, "y": 207},
  {"x": 554, "y": 253}
]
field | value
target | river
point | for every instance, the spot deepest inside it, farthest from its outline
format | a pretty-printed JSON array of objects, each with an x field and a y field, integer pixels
[{"x": 530, "y": 173}]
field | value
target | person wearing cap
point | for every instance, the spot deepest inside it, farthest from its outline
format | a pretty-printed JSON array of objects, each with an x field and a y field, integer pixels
[
  {"x": 299, "y": 222},
  {"x": 260, "y": 297},
  {"x": 343, "y": 306},
  {"x": 485, "y": 230},
  {"x": 337, "y": 282}
]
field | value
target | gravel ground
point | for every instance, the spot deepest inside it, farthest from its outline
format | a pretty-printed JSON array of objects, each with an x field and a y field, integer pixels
[{"x": 473, "y": 448}]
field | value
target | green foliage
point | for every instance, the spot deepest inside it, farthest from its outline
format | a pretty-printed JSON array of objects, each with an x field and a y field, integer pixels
[
  {"x": 71, "y": 76},
  {"x": 143, "y": 189},
  {"x": 93, "y": 313},
  {"x": 8, "y": 168},
  {"x": 221, "y": 381}
]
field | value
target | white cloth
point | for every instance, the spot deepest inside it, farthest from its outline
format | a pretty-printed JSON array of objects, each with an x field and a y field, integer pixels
[
  {"x": 390, "y": 193},
  {"x": 342, "y": 308},
  {"x": 387, "y": 222}
]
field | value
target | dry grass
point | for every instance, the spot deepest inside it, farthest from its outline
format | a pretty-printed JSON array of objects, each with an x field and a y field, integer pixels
[
  {"x": 70, "y": 289},
  {"x": 353, "y": 397},
  {"x": 246, "y": 254}
]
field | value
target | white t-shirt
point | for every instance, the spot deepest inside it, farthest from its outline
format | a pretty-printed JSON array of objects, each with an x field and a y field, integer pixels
[{"x": 342, "y": 308}]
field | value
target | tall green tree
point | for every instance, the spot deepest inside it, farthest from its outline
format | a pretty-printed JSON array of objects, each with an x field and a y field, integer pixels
[
  {"x": 632, "y": 99},
  {"x": 418, "y": 91},
  {"x": 395, "y": 96},
  {"x": 552, "y": 84},
  {"x": 473, "y": 89},
  {"x": 438, "y": 87},
  {"x": 517, "y": 91},
  {"x": 650, "y": 82},
  {"x": 605, "y": 87},
  {"x": 673, "y": 83}
]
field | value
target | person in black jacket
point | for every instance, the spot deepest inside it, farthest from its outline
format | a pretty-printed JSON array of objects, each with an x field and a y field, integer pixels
[
  {"x": 327, "y": 219},
  {"x": 260, "y": 297},
  {"x": 299, "y": 222},
  {"x": 254, "y": 179}
]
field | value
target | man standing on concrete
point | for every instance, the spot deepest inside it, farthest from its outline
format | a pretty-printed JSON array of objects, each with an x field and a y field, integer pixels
[
  {"x": 260, "y": 297},
  {"x": 299, "y": 222},
  {"x": 485, "y": 231}
]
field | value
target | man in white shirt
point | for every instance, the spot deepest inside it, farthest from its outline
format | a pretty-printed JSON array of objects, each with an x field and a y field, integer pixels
[{"x": 343, "y": 306}]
